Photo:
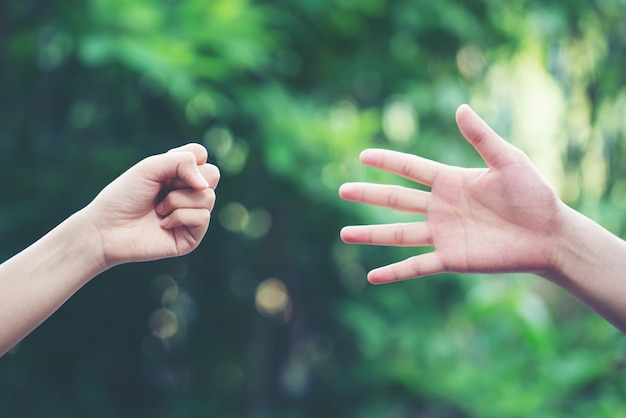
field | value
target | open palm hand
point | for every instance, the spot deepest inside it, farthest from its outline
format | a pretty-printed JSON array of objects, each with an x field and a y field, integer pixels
[{"x": 498, "y": 219}]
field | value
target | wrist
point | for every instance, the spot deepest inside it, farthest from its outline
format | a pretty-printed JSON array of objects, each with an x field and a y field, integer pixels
[
  {"x": 583, "y": 249},
  {"x": 563, "y": 243},
  {"x": 590, "y": 265},
  {"x": 88, "y": 237}
]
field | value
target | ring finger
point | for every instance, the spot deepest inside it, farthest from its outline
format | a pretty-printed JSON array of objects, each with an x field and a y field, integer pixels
[{"x": 415, "y": 234}]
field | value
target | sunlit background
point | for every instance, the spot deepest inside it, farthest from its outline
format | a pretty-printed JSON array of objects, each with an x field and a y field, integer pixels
[{"x": 272, "y": 315}]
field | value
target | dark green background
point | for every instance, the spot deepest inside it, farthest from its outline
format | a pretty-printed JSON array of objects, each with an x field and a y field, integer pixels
[{"x": 285, "y": 94}]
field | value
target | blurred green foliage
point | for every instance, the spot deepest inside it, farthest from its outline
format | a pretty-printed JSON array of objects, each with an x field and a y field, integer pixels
[{"x": 271, "y": 316}]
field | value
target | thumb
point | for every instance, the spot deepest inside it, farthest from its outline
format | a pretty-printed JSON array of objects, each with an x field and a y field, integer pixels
[{"x": 494, "y": 150}]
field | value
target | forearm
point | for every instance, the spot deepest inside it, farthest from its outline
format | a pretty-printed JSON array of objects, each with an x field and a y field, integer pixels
[
  {"x": 38, "y": 280},
  {"x": 591, "y": 265}
]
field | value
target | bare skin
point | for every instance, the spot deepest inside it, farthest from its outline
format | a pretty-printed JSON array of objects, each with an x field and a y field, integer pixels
[
  {"x": 159, "y": 208},
  {"x": 501, "y": 219}
]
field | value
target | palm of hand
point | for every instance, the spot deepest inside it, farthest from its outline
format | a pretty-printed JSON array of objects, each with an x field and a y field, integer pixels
[{"x": 487, "y": 220}]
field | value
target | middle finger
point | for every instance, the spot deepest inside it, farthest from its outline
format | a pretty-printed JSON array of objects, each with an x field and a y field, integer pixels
[
  {"x": 186, "y": 198},
  {"x": 210, "y": 172},
  {"x": 394, "y": 197}
]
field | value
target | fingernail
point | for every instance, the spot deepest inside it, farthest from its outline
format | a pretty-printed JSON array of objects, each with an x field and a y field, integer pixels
[
  {"x": 165, "y": 221},
  {"x": 202, "y": 180}
]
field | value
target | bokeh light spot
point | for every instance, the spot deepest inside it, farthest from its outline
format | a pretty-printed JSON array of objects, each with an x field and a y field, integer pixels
[
  {"x": 471, "y": 61},
  {"x": 259, "y": 223},
  {"x": 169, "y": 295},
  {"x": 254, "y": 223},
  {"x": 161, "y": 283},
  {"x": 231, "y": 153},
  {"x": 344, "y": 116},
  {"x": 235, "y": 160},
  {"x": 201, "y": 108},
  {"x": 184, "y": 306},
  {"x": 234, "y": 217},
  {"x": 271, "y": 297},
  {"x": 163, "y": 323},
  {"x": 399, "y": 121},
  {"x": 218, "y": 140}
]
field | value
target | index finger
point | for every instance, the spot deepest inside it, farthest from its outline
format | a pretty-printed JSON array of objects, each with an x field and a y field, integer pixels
[
  {"x": 412, "y": 167},
  {"x": 209, "y": 171},
  {"x": 197, "y": 150},
  {"x": 182, "y": 165}
]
